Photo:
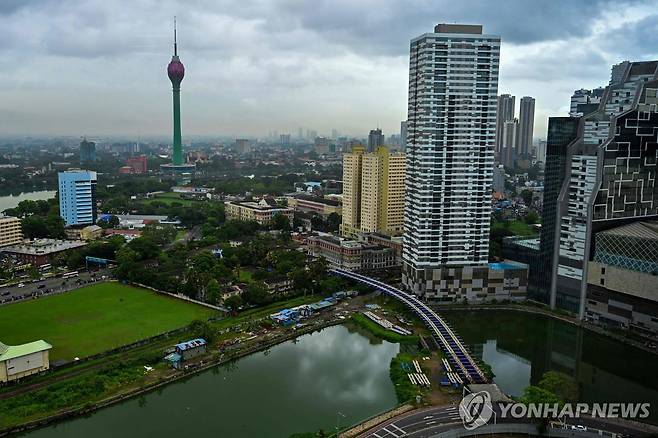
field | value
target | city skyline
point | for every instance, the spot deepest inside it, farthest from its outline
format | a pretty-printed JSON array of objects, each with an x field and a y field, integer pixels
[{"x": 254, "y": 73}]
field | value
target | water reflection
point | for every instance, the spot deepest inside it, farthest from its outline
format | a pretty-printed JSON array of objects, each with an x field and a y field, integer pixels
[
  {"x": 297, "y": 387},
  {"x": 521, "y": 347}
]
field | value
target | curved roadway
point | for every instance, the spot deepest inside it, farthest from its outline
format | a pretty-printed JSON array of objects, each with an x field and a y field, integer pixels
[{"x": 457, "y": 354}]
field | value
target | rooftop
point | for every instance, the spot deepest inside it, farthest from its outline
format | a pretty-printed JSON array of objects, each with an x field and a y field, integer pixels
[
  {"x": 194, "y": 343},
  {"x": 44, "y": 246},
  {"x": 13, "y": 351},
  {"x": 642, "y": 230},
  {"x": 507, "y": 264}
]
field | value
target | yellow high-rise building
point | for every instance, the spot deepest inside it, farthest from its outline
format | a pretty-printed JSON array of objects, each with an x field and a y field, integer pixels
[
  {"x": 373, "y": 192},
  {"x": 10, "y": 231}
]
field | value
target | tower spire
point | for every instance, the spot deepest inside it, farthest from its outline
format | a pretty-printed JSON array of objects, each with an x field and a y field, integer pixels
[{"x": 175, "y": 45}]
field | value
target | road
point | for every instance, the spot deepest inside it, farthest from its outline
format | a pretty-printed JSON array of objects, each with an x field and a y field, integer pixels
[
  {"x": 425, "y": 423},
  {"x": 51, "y": 286}
]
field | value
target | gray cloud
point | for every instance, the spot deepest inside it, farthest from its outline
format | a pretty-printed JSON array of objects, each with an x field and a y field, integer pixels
[{"x": 253, "y": 66}]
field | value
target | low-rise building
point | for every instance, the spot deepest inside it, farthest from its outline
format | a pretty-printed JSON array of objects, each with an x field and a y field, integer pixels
[
  {"x": 41, "y": 251},
  {"x": 280, "y": 286},
  {"x": 262, "y": 211},
  {"x": 622, "y": 279},
  {"x": 314, "y": 204},
  {"x": 10, "y": 231},
  {"x": 352, "y": 255},
  {"x": 18, "y": 361},
  {"x": 190, "y": 349},
  {"x": 91, "y": 232}
]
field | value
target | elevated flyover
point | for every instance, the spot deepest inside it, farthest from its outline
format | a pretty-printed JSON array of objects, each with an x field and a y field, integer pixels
[{"x": 456, "y": 353}]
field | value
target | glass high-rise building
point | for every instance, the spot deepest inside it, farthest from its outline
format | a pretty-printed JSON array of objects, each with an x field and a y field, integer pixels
[
  {"x": 77, "y": 197},
  {"x": 451, "y": 131},
  {"x": 87, "y": 152}
]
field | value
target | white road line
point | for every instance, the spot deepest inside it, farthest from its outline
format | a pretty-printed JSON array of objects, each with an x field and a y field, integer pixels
[
  {"x": 390, "y": 432},
  {"x": 375, "y": 434},
  {"x": 403, "y": 432}
]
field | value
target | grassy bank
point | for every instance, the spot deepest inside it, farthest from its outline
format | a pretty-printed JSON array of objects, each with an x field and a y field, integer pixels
[
  {"x": 379, "y": 331},
  {"x": 404, "y": 389}
]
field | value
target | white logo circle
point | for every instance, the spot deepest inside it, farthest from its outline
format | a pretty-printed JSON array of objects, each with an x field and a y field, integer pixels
[{"x": 475, "y": 410}]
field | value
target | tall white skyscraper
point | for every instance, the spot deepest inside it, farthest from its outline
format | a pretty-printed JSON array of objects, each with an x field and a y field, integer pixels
[
  {"x": 526, "y": 125},
  {"x": 453, "y": 88}
]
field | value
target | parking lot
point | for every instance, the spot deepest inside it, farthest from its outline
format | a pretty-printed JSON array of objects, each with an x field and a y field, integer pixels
[{"x": 31, "y": 289}]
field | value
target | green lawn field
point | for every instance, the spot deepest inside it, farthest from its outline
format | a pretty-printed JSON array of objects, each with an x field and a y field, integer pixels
[
  {"x": 95, "y": 318},
  {"x": 169, "y": 198}
]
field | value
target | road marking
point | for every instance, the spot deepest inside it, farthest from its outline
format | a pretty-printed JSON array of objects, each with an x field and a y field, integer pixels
[
  {"x": 391, "y": 432},
  {"x": 403, "y": 432},
  {"x": 375, "y": 434}
]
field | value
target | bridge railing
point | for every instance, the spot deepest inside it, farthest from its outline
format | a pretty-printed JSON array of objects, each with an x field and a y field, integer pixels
[{"x": 447, "y": 338}]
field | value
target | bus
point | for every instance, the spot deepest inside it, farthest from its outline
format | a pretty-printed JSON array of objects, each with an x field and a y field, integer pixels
[{"x": 70, "y": 274}]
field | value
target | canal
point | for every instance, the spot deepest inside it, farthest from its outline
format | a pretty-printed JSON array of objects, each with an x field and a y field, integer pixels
[
  {"x": 301, "y": 385},
  {"x": 297, "y": 386},
  {"x": 521, "y": 347},
  {"x": 12, "y": 201}
]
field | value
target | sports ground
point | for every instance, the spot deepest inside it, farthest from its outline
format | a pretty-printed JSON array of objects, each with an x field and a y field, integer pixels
[{"x": 95, "y": 318}]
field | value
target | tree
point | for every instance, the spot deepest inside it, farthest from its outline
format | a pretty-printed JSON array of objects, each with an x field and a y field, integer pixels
[
  {"x": 126, "y": 262},
  {"x": 160, "y": 234},
  {"x": 212, "y": 291},
  {"x": 233, "y": 302},
  {"x": 531, "y": 218},
  {"x": 256, "y": 294},
  {"x": 34, "y": 227},
  {"x": 536, "y": 395},
  {"x": 527, "y": 196},
  {"x": 563, "y": 386},
  {"x": 145, "y": 248},
  {"x": 110, "y": 222},
  {"x": 333, "y": 222},
  {"x": 201, "y": 329},
  {"x": 280, "y": 222}
]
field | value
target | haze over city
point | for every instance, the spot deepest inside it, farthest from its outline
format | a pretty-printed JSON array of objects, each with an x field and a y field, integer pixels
[{"x": 96, "y": 67}]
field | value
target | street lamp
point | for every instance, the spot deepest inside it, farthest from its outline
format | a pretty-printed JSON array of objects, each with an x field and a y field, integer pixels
[{"x": 338, "y": 415}]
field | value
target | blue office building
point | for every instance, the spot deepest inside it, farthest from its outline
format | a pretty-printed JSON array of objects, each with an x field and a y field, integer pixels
[{"x": 77, "y": 197}]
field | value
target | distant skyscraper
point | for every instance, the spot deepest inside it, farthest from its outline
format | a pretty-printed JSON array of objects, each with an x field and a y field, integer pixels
[
  {"x": 334, "y": 134},
  {"x": 242, "y": 146},
  {"x": 504, "y": 113},
  {"x": 87, "y": 152},
  {"x": 77, "y": 197},
  {"x": 526, "y": 125},
  {"x": 509, "y": 143},
  {"x": 403, "y": 134},
  {"x": 375, "y": 139},
  {"x": 373, "y": 191},
  {"x": 321, "y": 145},
  {"x": 285, "y": 140},
  {"x": 450, "y": 148}
]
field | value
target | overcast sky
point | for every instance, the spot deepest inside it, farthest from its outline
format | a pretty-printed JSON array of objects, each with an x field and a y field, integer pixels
[{"x": 98, "y": 67}]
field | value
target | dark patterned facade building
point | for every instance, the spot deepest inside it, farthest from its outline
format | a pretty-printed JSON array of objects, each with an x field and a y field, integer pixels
[{"x": 606, "y": 178}]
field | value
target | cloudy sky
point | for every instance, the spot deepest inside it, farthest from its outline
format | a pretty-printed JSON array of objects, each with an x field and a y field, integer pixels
[{"x": 97, "y": 67}]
